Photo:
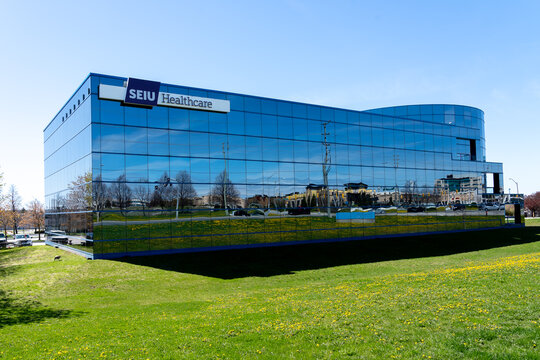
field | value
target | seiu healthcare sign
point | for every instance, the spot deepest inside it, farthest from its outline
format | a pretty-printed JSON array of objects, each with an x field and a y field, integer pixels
[
  {"x": 142, "y": 92},
  {"x": 146, "y": 93}
]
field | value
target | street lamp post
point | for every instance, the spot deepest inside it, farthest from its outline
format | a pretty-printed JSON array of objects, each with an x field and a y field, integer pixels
[{"x": 517, "y": 187}]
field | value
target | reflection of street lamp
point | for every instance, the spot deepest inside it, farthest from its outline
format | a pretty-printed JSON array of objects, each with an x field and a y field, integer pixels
[
  {"x": 275, "y": 189},
  {"x": 517, "y": 187}
]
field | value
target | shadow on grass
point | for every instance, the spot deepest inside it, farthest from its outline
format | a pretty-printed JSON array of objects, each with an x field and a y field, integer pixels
[
  {"x": 270, "y": 261},
  {"x": 24, "y": 311}
]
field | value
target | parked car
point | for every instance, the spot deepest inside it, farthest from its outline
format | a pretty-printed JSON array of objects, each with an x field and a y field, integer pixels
[
  {"x": 3, "y": 240},
  {"x": 22, "y": 240},
  {"x": 416, "y": 209}
]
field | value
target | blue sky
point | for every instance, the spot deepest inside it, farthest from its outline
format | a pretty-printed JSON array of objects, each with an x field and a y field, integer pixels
[{"x": 357, "y": 55}]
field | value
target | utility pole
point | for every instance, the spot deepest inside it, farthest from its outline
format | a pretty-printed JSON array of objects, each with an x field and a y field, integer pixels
[{"x": 326, "y": 167}]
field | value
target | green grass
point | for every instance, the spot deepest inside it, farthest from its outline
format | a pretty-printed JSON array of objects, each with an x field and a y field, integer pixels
[
  {"x": 532, "y": 222},
  {"x": 454, "y": 296}
]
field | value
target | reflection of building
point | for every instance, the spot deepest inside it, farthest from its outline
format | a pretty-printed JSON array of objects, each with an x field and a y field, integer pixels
[
  {"x": 156, "y": 167},
  {"x": 464, "y": 190}
]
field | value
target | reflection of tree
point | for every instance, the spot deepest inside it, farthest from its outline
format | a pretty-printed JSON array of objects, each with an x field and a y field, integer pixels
[
  {"x": 121, "y": 193},
  {"x": 142, "y": 194},
  {"x": 162, "y": 192},
  {"x": 99, "y": 195},
  {"x": 409, "y": 191},
  {"x": 362, "y": 199},
  {"x": 79, "y": 196},
  {"x": 183, "y": 191},
  {"x": 224, "y": 191},
  {"x": 326, "y": 167}
]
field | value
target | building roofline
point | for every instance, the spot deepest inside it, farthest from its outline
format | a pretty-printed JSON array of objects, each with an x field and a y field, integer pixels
[{"x": 255, "y": 96}]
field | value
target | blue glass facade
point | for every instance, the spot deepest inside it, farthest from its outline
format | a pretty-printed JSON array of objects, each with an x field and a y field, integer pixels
[{"x": 131, "y": 180}]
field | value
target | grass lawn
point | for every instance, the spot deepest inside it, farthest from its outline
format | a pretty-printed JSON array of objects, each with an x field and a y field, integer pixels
[{"x": 454, "y": 296}]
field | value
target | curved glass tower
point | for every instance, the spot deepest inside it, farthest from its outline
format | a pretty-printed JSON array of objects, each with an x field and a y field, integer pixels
[{"x": 135, "y": 167}]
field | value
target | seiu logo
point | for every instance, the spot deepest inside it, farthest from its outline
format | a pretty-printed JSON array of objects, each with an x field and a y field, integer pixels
[
  {"x": 142, "y": 95},
  {"x": 142, "y": 92}
]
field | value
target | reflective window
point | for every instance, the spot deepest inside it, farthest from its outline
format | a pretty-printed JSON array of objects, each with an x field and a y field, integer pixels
[
  {"x": 266, "y": 159},
  {"x": 158, "y": 142}
]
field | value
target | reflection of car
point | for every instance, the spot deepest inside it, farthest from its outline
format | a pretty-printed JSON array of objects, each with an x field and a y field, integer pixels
[
  {"x": 22, "y": 240},
  {"x": 255, "y": 212},
  {"x": 241, "y": 213},
  {"x": 299, "y": 211},
  {"x": 416, "y": 209},
  {"x": 489, "y": 206},
  {"x": 90, "y": 235},
  {"x": 457, "y": 207}
]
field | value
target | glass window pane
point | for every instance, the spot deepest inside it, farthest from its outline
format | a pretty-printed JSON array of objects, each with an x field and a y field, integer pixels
[
  {"x": 112, "y": 138},
  {"x": 158, "y": 142},
  {"x": 179, "y": 143},
  {"x": 198, "y": 120},
  {"x": 199, "y": 144},
  {"x": 135, "y": 116},
  {"x": 136, "y": 140},
  {"x": 111, "y": 112}
]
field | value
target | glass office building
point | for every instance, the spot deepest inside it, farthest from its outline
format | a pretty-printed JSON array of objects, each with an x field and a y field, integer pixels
[{"x": 135, "y": 167}]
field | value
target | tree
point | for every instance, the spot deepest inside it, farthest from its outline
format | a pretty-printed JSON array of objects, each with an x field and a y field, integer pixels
[
  {"x": 5, "y": 216},
  {"x": 183, "y": 190},
  {"x": 223, "y": 191},
  {"x": 532, "y": 202},
  {"x": 14, "y": 203},
  {"x": 36, "y": 215},
  {"x": 121, "y": 193},
  {"x": 1, "y": 184}
]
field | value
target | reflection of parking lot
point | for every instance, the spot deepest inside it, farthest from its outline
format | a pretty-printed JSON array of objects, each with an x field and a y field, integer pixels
[
  {"x": 456, "y": 213},
  {"x": 69, "y": 240},
  {"x": 445, "y": 213}
]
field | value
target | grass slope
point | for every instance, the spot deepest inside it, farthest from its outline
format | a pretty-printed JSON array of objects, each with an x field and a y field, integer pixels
[{"x": 458, "y": 296}]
